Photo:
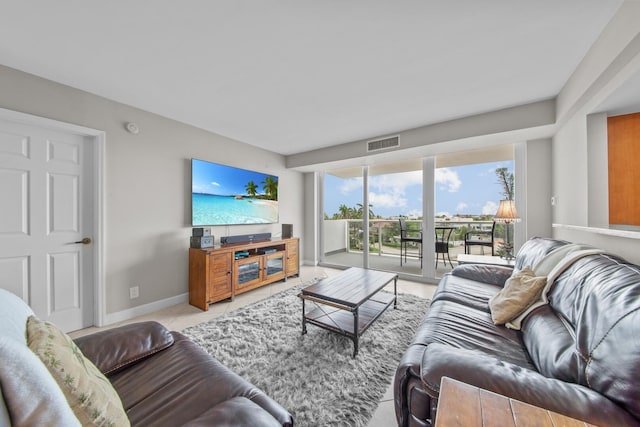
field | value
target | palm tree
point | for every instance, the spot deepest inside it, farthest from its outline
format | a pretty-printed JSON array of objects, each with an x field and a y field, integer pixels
[
  {"x": 361, "y": 211},
  {"x": 505, "y": 178},
  {"x": 344, "y": 211},
  {"x": 270, "y": 187},
  {"x": 251, "y": 188}
]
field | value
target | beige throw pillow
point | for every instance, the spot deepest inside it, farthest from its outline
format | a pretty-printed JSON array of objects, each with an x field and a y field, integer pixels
[
  {"x": 89, "y": 393},
  {"x": 521, "y": 290}
]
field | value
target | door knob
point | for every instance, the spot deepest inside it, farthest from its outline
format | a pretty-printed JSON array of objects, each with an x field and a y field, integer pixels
[{"x": 84, "y": 241}]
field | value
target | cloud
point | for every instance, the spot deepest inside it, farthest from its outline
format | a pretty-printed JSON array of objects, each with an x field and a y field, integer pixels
[
  {"x": 215, "y": 184},
  {"x": 489, "y": 208},
  {"x": 395, "y": 181},
  {"x": 461, "y": 207},
  {"x": 386, "y": 200},
  {"x": 390, "y": 190},
  {"x": 350, "y": 185},
  {"x": 448, "y": 179}
]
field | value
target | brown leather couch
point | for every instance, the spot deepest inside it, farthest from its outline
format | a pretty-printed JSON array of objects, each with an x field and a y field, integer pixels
[
  {"x": 162, "y": 378},
  {"x": 165, "y": 379},
  {"x": 579, "y": 355}
]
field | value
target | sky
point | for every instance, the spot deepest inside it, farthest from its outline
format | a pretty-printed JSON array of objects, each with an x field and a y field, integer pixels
[
  {"x": 221, "y": 180},
  {"x": 472, "y": 189}
]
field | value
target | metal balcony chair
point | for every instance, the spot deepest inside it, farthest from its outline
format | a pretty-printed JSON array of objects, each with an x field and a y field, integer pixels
[
  {"x": 443, "y": 234},
  {"x": 482, "y": 238},
  {"x": 405, "y": 239}
]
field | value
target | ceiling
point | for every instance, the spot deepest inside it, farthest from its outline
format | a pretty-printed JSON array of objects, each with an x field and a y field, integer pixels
[
  {"x": 624, "y": 100},
  {"x": 293, "y": 75}
]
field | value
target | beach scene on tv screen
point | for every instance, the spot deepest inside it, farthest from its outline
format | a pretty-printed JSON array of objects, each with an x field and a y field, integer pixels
[{"x": 222, "y": 195}]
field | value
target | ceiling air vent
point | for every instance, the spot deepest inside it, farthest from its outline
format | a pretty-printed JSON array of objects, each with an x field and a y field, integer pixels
[{"x": 383, "y": 144}]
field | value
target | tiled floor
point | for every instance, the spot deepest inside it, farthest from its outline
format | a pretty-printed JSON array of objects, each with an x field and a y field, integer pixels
[{"x": 181, "y": 316}]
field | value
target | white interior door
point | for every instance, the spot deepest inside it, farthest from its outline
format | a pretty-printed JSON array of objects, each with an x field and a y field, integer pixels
[{"x": 46, "y": 210}]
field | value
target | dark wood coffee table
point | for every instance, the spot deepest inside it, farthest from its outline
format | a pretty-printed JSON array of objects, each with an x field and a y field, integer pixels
[{"x": 349, "y": 302}]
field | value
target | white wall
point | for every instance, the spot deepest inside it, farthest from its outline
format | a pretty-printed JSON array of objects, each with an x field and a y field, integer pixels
[
  {"x": 538, "y": 188},
  {"x": 623, "y": 244},
  {"x": 570, "y": 174},
  {"x": 579, "y": 146},
  {"x": 309, "y": 243},
  {"x": 598, "y": 167},
  {"x": 148, "y": 185}
]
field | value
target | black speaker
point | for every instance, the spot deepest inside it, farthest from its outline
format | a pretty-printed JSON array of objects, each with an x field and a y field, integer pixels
[
  {"x": 245, "y": 238},
  {"x": 287, "y": 231}
]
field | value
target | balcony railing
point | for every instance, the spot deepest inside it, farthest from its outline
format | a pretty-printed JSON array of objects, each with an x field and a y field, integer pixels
[{"x": 346, "y": 235}]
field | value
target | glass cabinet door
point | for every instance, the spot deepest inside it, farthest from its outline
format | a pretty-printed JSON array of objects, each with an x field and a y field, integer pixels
[
  {"x": 275, "y": 264},
  {"x": 248, "y": 271}
]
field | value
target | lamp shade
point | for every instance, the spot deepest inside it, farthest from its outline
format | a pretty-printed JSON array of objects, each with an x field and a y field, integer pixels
[{"x": 506, "y": 212}]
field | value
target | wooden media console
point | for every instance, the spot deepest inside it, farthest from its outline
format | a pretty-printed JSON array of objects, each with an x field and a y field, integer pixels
[{"x": 223, "y": 271}]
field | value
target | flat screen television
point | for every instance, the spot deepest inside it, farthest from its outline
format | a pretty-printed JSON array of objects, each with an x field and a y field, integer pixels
[{"x": 225, "y": 195}]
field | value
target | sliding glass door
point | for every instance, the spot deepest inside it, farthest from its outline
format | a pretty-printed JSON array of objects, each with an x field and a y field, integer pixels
[
  {"x": 395, "y": 193},
  {"x": 365, "y": 210},
  {"x": 343, "y": 214},
  {"x": 467, "y": 195},
  {"x": 355, "y": 235}
]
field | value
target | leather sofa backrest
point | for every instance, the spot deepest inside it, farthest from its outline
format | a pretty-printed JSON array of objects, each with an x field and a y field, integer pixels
[
  {"x": 551, "y": 345},
  {"x": 534, "y": 249},
  {"x": 600, "y": 297},
  {"x": 590, "y": 331}
]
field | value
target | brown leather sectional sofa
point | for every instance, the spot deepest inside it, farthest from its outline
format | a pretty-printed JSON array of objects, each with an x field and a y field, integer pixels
[
  {"x": 161, "y": 377},
  {"x": 578, "y": 355},
  {"x": 165, "y": 379}
]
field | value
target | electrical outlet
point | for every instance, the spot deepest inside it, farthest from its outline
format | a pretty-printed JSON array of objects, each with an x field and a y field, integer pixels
[{"x": 134, "y": 292}]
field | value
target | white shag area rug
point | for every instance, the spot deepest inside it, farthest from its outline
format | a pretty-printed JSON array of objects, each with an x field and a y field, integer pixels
[{"x": 313, "y": 376}]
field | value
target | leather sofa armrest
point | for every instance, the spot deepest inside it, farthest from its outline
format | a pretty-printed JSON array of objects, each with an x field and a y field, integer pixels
[
  {"x": 115, "y": 349},
  {"x": 488, "y": 372},
  {"x": 491, "y": 274},
  {"x": 237, "y": 412}
]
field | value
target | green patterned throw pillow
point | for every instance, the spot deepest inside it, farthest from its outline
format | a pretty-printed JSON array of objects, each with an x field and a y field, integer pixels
[{"x": 89, "y": 393}]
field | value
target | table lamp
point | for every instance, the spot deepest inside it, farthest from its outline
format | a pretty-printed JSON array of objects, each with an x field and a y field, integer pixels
[{"x": 507, "y": 214}]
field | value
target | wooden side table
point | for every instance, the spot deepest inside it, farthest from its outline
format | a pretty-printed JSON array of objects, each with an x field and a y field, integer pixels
[{"x": 464, "y": 405}]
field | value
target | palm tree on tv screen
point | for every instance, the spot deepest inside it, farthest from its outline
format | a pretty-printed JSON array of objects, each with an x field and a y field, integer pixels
[
  {"x": 270, "y": 187},
  {"x": 251, "y": 188}
]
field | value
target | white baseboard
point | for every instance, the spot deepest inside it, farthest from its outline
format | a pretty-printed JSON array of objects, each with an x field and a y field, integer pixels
[{"x": 141, "y": 310}]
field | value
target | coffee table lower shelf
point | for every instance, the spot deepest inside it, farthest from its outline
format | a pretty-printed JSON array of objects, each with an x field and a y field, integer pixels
[{"x": 345, "y": 320}]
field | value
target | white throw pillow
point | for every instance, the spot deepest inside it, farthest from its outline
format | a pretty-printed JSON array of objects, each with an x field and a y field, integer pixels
[{"x": 29, "y": 390}]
